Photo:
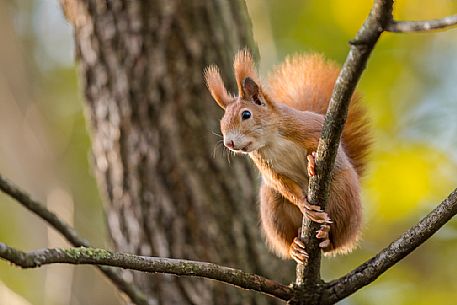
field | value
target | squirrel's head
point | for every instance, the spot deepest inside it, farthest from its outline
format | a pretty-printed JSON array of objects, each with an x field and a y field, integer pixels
[{"x": 248, "y": 117}]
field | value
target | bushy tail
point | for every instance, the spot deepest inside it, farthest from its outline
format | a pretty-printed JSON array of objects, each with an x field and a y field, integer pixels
[{"x": 306, "y": 82}]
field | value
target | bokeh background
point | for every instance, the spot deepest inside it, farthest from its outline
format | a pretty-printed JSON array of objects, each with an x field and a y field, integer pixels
[{"x": 409, "y": 87}]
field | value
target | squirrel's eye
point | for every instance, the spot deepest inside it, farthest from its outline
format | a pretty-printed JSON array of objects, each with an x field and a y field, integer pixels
[{"x": 245, "y": 115}]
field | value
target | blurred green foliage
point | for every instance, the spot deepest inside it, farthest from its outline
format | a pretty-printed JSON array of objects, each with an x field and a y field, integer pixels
[{"x": 408, "y": 87}]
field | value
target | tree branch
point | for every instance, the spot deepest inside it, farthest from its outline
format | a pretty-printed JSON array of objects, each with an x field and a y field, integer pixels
[
  {"x": 380, "y": 19},
  {"x": 93, "y": 256},
  {"x": 421, "y": 26},
  {"x": 53, "y": 220},
  {"x": 397, "y": 250},
  {"x": 361, "y": 47},
  {"x": 86, "y": 255}
]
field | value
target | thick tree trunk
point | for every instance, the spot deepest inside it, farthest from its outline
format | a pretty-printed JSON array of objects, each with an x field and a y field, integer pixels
[{"x": 153, "y": 128}]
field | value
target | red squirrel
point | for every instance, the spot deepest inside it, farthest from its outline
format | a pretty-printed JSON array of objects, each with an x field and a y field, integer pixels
[{"x": 278, "y": 125}]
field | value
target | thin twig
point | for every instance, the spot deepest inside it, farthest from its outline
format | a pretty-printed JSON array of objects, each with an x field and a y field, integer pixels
[
  {"x": 421, "y": 26},
  {"x": 70, "y": 234},
  {"x": 397, "y": 250},
  {"x": 93, "y": 256}
]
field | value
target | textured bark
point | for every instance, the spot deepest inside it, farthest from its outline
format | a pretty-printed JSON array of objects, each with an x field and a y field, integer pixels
[
  {"x": 335, "y": 118},
  {"x": 152, "y": 124},
  {"x": 94, "y": 256}
]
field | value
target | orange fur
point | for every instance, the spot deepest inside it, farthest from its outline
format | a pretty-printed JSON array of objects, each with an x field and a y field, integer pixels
[
  {"x": 305, "y": 82},
  {"x": 283, "y": 127}
]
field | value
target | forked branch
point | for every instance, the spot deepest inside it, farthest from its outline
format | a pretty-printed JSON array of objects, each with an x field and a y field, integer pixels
[
  {"x": 104, "y": 258},
  {"x": 335, "y": 118},
  {"x": 71, "y": 236},
  {"x": 379, "y": 20}
]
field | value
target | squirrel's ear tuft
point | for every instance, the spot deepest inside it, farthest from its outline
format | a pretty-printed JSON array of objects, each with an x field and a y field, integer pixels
[
  {"x": 216, "y": 86},
  {"x": 243, "y": 66}
]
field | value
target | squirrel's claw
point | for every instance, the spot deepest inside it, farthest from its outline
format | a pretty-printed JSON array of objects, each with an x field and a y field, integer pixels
[
  {"x": 324, "y": 244},
  {"x": 323, "y": 233},
  {"x": 311, "y": 207},
  {"x": 319, "y": 217},
  {"x": 297, "y": 251},
  {"x": 314, "y": 213}
]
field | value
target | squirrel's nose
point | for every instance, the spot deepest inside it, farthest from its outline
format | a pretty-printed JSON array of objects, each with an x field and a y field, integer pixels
[{"x": 229, "y": 143}]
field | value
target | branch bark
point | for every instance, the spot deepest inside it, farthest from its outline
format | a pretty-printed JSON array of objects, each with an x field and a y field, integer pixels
[
  {"x": 380, "y": 19},
  {"x": 71, "y": 236},
  {"x": 92, "y": 256},
  {"x": 421, "y": 26},
  {"x": 397, "y": 250},
  {"x": 361, "y": 47}
]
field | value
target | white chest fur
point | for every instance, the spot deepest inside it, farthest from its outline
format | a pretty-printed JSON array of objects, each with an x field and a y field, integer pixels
[{"x": 286, "y": 158}]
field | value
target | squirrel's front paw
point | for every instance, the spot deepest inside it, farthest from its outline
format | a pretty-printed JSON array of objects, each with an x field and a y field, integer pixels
[
  {"x": 297, "y": 251},
  {"x": 311, "y": 164},
  {"x": 319, "y": 217},
  {"x": 314, "y": 212},
  {"x": 323, "y": 233}
]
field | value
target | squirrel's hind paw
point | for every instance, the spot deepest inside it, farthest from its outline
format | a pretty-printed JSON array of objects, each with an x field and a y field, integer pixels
[{"x": 297, "y": 251}]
